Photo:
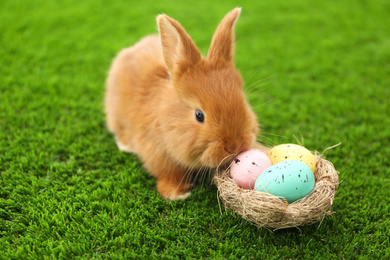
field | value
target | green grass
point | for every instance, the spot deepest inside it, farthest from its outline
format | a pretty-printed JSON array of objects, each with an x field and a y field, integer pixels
[{"x": 67, "y": 192}]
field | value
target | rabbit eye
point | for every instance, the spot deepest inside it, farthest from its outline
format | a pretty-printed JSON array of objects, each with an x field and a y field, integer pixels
[{"x": 199, "y": 116}]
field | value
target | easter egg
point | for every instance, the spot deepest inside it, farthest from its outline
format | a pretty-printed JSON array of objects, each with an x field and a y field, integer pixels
[
  {"x": 247, "y": 166},
  {"x": 289, "y": 179},
  {"x": 285, "y": 152}
]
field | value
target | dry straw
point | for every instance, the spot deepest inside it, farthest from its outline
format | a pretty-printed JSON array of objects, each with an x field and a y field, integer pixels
[{"x": 265, "y": 210}]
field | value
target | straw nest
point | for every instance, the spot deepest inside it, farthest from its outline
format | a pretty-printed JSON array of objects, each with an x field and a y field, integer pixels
[{"x": 265, "y": 210}]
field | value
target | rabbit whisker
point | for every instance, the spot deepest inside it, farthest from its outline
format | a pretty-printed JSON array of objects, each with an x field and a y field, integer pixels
[
  {"x": 261, "y": 80},
  {"x": 188, "y": 173},
  {"x": 267, "y": 133},
  {"x": 267, "y": 141},
  {"x": 255, "y": 72},
  {"x": 257, "y": 89}
]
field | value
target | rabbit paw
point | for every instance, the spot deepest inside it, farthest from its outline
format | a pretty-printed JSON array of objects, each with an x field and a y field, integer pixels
[
  {"x": 123, "y": 147},
  {"x": 171, "y": 190},
  {"x": 182, "y": 197}
]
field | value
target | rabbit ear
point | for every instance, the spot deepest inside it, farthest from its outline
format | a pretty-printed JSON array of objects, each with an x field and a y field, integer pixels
[
  {"x": 222, "y": 45},
  {"x": 177, "y": 46}
]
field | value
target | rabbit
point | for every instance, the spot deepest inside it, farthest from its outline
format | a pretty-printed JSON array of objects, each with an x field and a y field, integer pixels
[{"x": 177, "y": 110}]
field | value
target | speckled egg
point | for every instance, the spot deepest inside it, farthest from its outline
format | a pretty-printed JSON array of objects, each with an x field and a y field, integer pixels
[
  {"x": 285, "y": 152},
  {"x": 289, "y": 179},
  {"x": 247, "y": 166}
]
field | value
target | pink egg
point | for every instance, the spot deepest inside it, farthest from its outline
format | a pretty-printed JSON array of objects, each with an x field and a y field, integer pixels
[{"x": 247, "y": 166}]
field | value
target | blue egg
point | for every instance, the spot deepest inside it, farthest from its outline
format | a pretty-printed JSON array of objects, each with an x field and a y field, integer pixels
[{"x": 289, "y": 179}]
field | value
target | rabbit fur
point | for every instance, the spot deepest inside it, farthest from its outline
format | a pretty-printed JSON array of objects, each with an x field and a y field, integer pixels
[{"x": 154, "y": 92}]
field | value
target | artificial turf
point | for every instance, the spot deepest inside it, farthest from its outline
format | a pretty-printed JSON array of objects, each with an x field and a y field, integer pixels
[{"x": 67, "y": 192}]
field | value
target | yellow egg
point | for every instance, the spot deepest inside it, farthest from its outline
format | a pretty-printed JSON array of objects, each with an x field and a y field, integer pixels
[{"x": 285, "y": 152}]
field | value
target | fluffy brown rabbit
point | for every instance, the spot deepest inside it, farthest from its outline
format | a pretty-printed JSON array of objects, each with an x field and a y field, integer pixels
[{"x": 179, "y": 111}]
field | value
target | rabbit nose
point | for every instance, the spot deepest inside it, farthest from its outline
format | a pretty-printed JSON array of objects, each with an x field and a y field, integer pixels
[
  {"x": 232, "y": 149},
  {"x": 236, "y": 148},
  {"x": 228, "y": 151}
]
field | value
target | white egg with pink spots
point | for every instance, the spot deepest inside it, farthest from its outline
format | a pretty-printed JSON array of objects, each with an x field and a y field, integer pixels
[{"x": 247, "y": 166}]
